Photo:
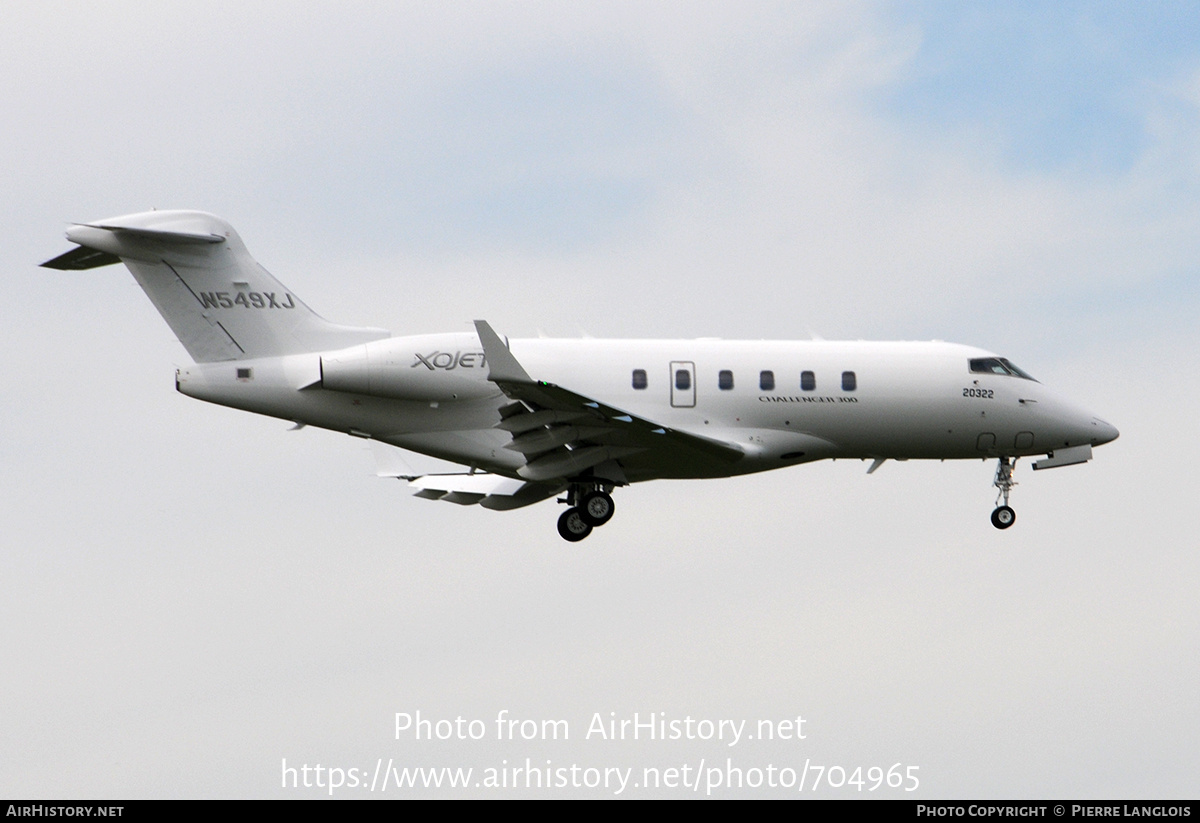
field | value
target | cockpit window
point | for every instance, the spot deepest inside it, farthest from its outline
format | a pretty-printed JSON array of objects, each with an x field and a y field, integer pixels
[
  {"x": 1018, "y": 372},
  {"x": 997, "y": 365}
]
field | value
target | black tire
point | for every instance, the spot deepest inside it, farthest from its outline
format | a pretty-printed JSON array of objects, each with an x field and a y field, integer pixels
[
  {"x": 572, "y": 526},
  {"x": 1003, "y": 517},
  {"x": 597, "y": 508}
]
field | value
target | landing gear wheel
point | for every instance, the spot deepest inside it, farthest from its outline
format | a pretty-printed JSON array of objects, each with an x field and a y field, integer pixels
[
  {"x": 572, "y": 526},
  {"x": 1003, "y": 517},
  {"x": 597, "y": 508}
]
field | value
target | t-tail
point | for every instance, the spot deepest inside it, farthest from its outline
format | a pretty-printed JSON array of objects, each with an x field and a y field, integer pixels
[{"x": 221, "y": 304}]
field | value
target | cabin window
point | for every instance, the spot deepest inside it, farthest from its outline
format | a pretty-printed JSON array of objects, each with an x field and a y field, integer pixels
[
  {"x": 849, "y": 381},
  {"x": 766, "y": 380},
  {"x": 639, "y": 378},
  {"x": 244, "y": 374},
  {"x": 724, "y": 380},
  {"x": 683, "y": 379},
  {"x": 808, "y": 381}
]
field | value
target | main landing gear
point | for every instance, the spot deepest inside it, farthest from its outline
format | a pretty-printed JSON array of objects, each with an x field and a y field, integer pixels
[
  {"x": 590, "y": 506},
  {"x": 1003, "y": 516}
]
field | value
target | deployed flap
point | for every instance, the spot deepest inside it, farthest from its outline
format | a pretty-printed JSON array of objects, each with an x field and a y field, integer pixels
[
  {"x": 481, "y": 483},
  {"x": 491, "y": 491},
  {"x": 563, "y": 434}
]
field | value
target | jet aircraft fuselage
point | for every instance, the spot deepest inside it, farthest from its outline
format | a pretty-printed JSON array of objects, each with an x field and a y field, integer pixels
[{"x": 896, "y": 400}]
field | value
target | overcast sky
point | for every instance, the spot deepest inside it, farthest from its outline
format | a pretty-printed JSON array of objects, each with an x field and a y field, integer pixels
[{"x": 192, "y": 595}]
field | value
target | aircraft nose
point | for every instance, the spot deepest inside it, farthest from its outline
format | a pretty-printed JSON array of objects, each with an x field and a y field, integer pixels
[{"x": 1103, "y": 432}]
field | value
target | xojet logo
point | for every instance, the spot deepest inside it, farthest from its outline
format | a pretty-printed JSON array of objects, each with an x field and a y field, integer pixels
[{"x": 449, "y": 362}]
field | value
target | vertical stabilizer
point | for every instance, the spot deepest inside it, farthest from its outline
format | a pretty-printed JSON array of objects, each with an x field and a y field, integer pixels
[{"x": 221, "y": 304}]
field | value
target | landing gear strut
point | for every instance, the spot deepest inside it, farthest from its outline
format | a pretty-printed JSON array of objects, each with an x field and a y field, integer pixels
[
  {"x": 591, "y": 506},
  {"x": 1003, "y": 516}
]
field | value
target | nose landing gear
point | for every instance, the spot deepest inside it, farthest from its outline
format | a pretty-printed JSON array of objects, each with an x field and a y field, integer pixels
[
  {"x": 1003, "y": 516},
  {"x": 591, "y": 506}
]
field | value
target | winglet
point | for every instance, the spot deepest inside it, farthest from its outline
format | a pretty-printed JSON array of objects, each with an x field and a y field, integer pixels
[{"x": 502, "y": 366}]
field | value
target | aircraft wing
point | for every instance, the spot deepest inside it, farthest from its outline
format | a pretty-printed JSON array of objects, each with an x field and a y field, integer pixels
[{"x": 562, "y": 434}]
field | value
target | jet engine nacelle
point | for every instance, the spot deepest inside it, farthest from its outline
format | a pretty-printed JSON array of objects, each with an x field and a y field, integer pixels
[{"x": 439, "y": 367}]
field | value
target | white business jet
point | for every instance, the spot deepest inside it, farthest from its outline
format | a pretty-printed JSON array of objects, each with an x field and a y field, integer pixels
[{"x": 532, "y": 419}]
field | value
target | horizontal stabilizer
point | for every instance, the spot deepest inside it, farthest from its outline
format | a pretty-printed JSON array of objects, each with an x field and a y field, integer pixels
[
  {"x": 129, "y": 225},
  {"x": 80, "y": 258}
]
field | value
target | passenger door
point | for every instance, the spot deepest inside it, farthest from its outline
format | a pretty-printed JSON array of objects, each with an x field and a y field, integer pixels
[{"x": 683, "y": 384}]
